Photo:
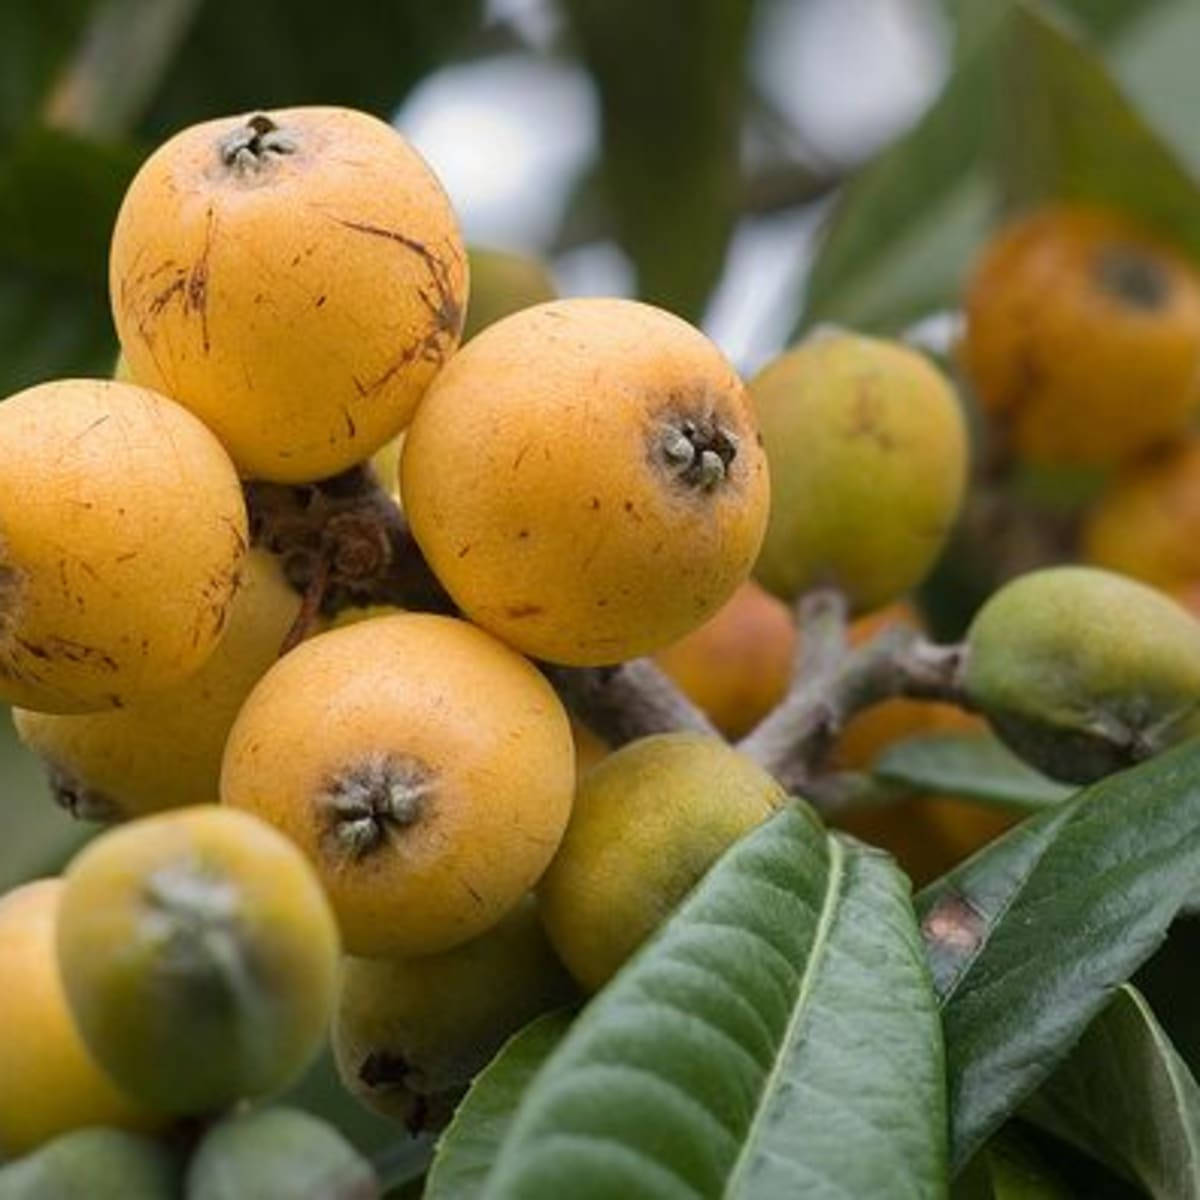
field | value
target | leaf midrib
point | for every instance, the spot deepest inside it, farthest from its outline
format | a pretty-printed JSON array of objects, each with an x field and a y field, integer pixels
[{"x": 837, "y": 863}]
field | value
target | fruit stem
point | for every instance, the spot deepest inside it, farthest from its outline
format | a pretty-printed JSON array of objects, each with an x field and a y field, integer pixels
[
  {"x": 830, "y": 685},
  {"x": 624, "y": 703}
]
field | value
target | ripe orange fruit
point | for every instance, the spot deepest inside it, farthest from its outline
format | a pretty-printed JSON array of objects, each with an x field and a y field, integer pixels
[
  {"x": 585, "y": 479},
  {"x": 1083, "y": 336},
  {"x": 424, "y": 768},
  {"x": 295, "y": 278}
]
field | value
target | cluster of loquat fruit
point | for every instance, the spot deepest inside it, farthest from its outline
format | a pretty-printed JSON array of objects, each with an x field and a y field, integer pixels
[{"x": 331, "y": 810}]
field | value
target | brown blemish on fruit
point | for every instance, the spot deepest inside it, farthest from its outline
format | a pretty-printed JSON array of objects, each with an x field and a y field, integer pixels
[
  {"x": 361, "y": 806},
  {"x": 520, "y": 611},
  {"x": 10, "y": 590},
  {"x": 867, "y": 417}
]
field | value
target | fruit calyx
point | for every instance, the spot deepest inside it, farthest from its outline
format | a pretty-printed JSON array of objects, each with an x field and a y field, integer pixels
[
  {"x": 82, "y": 802},
  {"x": 698, "y": 451},
  {"x": 1132, "y": 277},
  {"x": 254, "y": 145},
  {"x": 363, "y": 803}
]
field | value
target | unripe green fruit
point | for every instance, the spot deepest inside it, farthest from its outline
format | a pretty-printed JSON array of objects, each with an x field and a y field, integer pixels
[
  {"x": 278, "y": 1154},
  {"x": 99, "y": 1164},
  {"x": 868, "y": 455},
  {"x": 1083, "y": 672},
  {"x": 199, "y": 957},
  {"x": 501, "y": 283},
  {"x": 410, "y": 1034},
  {"x": 648, "y": 822}
]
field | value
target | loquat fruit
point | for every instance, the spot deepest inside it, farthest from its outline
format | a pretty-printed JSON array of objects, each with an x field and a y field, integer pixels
[
  {"x": 122, "y": 535},
  {"x": 585, "y": 480},
  {"x": 410, "y": 1034},
  {"x": 199, "y": 956},
  {"x": 52, "y": 1083},
  {"x": 165, "y": 751},
  {"x": 868, "y": 454},
  {"x": 1083, "y": 336},
  {"x": 421, "y": 765},
  {"x": 647, "y": 824},
  {"x": 295, "y": 278},
  {"x": 1083, "y": 671}
]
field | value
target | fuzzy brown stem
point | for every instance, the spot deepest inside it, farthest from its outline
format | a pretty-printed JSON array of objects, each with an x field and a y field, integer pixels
[
  {"x": 349, "y": 527},
  {"x": 830, "y": 687},
  {"x": 621, "y": 704}
]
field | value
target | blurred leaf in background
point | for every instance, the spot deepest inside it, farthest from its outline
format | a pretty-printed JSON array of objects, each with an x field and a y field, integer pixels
[{"x": 671, "y": 81}]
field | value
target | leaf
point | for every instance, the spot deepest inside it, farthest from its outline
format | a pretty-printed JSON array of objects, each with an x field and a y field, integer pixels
[
  {"x": 780, "y": 1017},
  {"x": 467, "y": 1149},
  {"x": 670, "y": 83},
  {"x": 1028, "y": 940},
  {"x": 282, "y": 52},
  {"x": 1126, "y": 1097},
  {"x": 1068, "y": 132},
  {"x": 52, "y": 327},
  {"x": 59, "y": 196},
  {"x": 977, "y": 766},
  {"x": 36, "y": 836},
  {"x": 905, "y": 226},
  {"x": 1008, "y": 1168},
  {"x": 1029, "y": 115},
  {"x": 36, "y": 36},
  {"x": 1156, "y": 62}
]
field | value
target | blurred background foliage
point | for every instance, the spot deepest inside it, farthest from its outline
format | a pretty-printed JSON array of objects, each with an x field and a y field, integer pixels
[{"x": 756, "y": 165}]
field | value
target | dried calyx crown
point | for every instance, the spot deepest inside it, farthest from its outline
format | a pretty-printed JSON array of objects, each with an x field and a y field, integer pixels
[
  {"x": 367, "y": 801},
  {"x": 256, "y": 143},
  {"x": 698, "y": 450},
  {"x": 1133, "y": 276}
]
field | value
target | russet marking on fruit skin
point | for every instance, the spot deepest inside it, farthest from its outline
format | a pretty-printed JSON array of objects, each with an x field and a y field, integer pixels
[
  {"x": 448, "y": 315},
  {"x": 240, "y": 315},
  {"x": 365, "y": 804}
]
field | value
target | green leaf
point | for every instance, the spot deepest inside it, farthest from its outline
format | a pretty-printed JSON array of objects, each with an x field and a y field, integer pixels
[
  {"x": 1008, "y": 1168},
  {"x": 1068, "y": 132},
  {"x": 1028, "y": 939},
  {"x": 36, "y": 36},
  {"x": 1126, "y": 1097},
  {"x": 36, "y": 836},
  {"x": 1029, "y": 115},
  {"x": 905, "y": 226},
  {"x": 59, "y": 196},
  {"x": 1156, "y": 62},
  {"x": 238, "y": 57},
  {"x": 977, "y": 766},
  {"x": 467, "y": 1149},
  {"x": 777, "y": 1037},
  {"x": 52, "y": 327},
  {"x": 670, "y": 82}
]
